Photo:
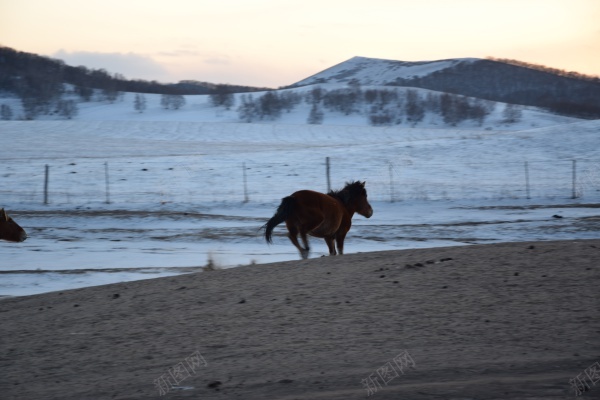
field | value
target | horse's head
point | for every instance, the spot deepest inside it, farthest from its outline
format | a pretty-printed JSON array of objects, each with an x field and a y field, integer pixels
[
  {"x": 9, "y": 229},
  {"x": 354, "y": 196},
  {"x": 362, "y": 204}
]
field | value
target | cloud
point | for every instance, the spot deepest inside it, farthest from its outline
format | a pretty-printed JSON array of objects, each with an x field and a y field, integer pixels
[
  {"x": 194, "y": 56},
  {"x": 179, "y": 53},
  {"x": 131, "y": 65},
  {"x": 218, "y": 60}
]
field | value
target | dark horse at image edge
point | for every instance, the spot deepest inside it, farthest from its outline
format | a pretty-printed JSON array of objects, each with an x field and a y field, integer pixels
[
  {"x": 9, "y": 229},
  {"x": 327, "y": 216}
]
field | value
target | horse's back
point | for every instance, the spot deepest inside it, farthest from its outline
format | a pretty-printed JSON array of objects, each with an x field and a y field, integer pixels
[
  {"x": 312, "y": 199},
  {"x": 308, "y": 196},
  {"x": 314, "y": 209}
]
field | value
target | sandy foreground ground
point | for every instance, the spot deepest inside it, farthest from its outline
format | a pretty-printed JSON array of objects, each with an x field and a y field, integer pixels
[{"x": 500, "y": 321}]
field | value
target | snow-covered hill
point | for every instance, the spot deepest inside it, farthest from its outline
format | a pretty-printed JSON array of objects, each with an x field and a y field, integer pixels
[
  {"x": 198, "y": 108},
  {"x": 505, "y": 81},
  {"x": 360, "y": 91},
  {"x": 378, "y": 72}
]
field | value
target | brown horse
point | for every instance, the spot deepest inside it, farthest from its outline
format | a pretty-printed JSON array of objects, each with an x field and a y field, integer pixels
[
  {"x": 9, "y": 229},
  {"x": 327, "y": 216}
]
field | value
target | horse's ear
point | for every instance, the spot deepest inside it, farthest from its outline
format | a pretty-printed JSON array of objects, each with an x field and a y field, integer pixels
[
  {"x": 3, "y": 214},
  {"x": 363, "y": 183}
]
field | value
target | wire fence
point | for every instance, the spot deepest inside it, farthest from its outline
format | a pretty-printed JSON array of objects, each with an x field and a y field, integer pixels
[{"x": 201, "y": 179}]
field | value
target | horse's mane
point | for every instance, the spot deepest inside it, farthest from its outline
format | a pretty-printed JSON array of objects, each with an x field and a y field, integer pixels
[{"x": 349, "y": 192}]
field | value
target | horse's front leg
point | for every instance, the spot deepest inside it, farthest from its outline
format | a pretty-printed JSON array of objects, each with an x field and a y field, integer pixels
[
  {"x": 339, "y": 239},
  {"x": 330, "y": 243}
]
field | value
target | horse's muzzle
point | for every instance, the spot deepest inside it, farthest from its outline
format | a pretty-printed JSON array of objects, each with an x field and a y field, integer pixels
[
  {"x": 369, "y": 213},
  {"x": 23, "y": 237}
]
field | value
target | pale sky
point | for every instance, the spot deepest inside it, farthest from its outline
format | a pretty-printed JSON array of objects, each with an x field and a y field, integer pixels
[{"x": 278, "y": 42}]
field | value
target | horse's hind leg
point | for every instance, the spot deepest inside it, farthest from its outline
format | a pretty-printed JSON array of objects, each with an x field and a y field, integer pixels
[
  {"x": 293, "y": 235},
  {"x": 306, "y": 248}
]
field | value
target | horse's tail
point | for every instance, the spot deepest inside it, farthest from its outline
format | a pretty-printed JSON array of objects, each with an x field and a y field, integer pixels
[{"x": 284, "y": 211}]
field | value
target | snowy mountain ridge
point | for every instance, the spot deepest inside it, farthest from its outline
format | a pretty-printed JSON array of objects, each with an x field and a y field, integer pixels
[
  {"x": 461, "y": 92},
  {"x": 379, "y": 72},
  {"x": 505, "y": 81}
]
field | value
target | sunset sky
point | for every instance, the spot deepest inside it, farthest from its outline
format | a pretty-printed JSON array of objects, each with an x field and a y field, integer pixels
[{"x": 278, "y": 42}]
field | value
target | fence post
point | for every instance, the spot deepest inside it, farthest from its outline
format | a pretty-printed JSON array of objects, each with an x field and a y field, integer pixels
[
  {"x": 527, "y": 179},
  {"x": 327, "y": 172},
  {"x": 246, "y": 199},
  {"x": 391, "y": 183},
  {"x": 107, "y": 189},
  {"x": 574, "y": 192},
  {"x": 46, "y": 178}
]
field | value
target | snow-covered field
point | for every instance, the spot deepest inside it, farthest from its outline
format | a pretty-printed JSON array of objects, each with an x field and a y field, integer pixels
[{"x": 176, "y": 184}]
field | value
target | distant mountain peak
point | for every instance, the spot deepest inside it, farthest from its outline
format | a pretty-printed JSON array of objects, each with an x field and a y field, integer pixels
[
  {"x": 377, "y": 71},
  {"x": 506, "y": 81}
]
